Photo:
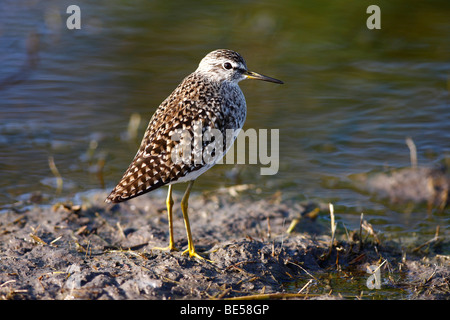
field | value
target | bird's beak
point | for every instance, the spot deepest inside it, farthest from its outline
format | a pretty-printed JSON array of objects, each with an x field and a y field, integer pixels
[{"x": 257, "y": 76}]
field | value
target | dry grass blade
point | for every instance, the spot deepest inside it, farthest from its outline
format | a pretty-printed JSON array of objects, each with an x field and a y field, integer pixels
[
  {"x": 133, "y": 126},
  {"x": 266, "y": 296},
  {"x": 55, "y": 240},
  {"x": 412, "y": 151},
  {"x": 54, "y": 169},
  {"x": 305, "y": 286},
  {"x": 333, "y": 227},
  {"x": 311, "y": 214},
  {"x": 333, "y": 233},
  {"x": 432, "y": 240},
  {"x": 369, "y": 228},
  {"x": 5, "y": 283},
  {"x": 360, "y": 231},
  {"x": 37, "y": 239},
  {"x": 309, "y": 274},
  {"x": 294, "y": 222}
]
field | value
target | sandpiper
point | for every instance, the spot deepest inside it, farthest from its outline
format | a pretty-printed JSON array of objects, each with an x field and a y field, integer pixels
[{"x": 209, "y": 98}]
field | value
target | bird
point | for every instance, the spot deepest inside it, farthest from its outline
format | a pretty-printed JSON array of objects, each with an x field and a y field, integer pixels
[{"x": 208, "y": 102}]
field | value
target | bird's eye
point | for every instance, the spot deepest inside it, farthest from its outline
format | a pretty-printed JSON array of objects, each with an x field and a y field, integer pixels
[{"x": 227, "y": 65}]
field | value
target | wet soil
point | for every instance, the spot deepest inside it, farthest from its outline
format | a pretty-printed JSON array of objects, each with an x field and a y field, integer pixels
[{"x": 91, "y": 250}]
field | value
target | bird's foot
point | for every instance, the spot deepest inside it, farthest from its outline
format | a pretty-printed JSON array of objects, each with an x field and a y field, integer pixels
[{"x": 193, "y": 254}]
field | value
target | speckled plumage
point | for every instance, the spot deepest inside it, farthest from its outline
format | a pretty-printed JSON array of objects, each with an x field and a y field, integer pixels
[
  {"x": 208, "y": 100},
  {"x": 217, "y": 103}
]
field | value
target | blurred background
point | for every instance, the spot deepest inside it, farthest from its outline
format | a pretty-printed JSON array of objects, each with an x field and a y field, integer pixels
[{"x": 350, "y": 99}]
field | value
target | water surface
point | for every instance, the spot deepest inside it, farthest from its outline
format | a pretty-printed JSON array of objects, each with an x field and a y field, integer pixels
[{"x": 351, "y": 95}]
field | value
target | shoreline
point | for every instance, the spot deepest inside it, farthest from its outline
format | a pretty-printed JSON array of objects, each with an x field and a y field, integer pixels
[{"x": 99, "y": 251}]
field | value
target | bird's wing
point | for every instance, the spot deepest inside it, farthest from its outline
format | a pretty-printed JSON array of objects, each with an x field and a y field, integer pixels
[{"x": 152, "y": 166}]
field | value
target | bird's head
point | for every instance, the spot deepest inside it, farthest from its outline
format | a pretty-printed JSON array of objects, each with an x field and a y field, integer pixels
[{"x": 227, "y": 65}]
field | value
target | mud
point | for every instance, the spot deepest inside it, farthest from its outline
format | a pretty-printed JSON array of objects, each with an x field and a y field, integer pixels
[
  {"x": 90, "y": 250},
  {"x": 413, "y": 185}
]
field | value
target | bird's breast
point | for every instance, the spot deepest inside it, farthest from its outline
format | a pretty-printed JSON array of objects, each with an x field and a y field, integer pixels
[{"x": 233, "y": 107}]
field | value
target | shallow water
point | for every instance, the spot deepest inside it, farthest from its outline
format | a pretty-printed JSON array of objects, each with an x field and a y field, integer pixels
[
  {"x": 347, "y": 286},
  {"x": 351, "y": 95}
]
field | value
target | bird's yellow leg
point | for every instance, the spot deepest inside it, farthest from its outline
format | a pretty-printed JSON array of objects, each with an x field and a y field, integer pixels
[
  {"x": 169, "y": 203},
  {"x": 184, "y": 209}
]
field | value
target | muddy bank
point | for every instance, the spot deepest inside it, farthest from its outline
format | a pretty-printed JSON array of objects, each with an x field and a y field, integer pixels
[
  {"x": 90, "y": 250},
  {"x": 430, "y": 185}
]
